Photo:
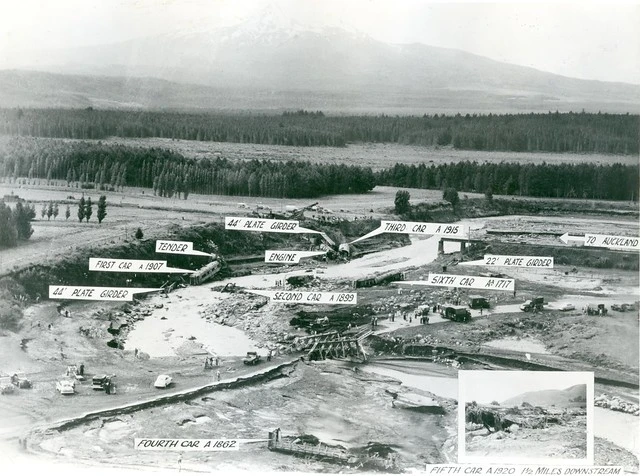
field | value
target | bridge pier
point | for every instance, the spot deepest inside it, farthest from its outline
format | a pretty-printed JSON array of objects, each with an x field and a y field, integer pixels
[{"x": 441, "y": 246}]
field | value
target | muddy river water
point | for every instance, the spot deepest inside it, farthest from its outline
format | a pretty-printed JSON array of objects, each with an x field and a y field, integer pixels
[{"x": 434, "y": 378}]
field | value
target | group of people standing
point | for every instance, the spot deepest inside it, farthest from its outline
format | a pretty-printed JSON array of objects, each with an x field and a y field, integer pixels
[{"x": 211, "y": 362}]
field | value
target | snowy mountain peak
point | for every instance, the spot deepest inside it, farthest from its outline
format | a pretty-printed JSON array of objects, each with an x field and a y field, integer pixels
[{"x": 269, "y": 25}]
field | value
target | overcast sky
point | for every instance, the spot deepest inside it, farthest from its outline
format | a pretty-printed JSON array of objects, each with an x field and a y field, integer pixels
[
  {"x": 486, "y": 386},
  {"x": 584, "y": 40}
]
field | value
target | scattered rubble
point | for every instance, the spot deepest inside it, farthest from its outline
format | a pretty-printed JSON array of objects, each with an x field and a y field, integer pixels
[{"x": 616, "y": 404}]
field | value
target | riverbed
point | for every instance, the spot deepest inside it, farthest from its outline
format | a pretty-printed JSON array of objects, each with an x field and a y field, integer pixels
[
  {"x": 622, "y": 429},
  {"x": 179, "y": 328},
  {"x": 430, "y": 377}
]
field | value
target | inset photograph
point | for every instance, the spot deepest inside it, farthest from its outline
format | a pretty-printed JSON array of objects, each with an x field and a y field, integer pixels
[{"x": 525, "y": 417}]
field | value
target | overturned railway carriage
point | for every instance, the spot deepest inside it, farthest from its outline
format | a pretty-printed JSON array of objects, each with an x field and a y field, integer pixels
[
  {"x": 375, "y": 280},
  {"x": 205, "y": 273}
]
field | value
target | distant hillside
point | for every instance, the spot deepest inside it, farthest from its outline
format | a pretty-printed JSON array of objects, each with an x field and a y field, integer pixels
[
  {"x": 39, "y": 89},
  {"x": 266, "y": 64},
  {"x": 560, "y": 398}
]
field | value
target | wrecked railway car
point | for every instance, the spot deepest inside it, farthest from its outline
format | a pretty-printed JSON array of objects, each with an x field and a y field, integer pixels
[{"x": 377, "y": 279}]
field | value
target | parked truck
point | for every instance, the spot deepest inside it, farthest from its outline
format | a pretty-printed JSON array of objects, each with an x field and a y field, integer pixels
[
  {"x": 593, "y": 310},
  {"x": 456, "y": 313},
  {"x": 478, "y": 302},
  {"x": 103, "y": 382},
  {"x": 533, "y": 305}
]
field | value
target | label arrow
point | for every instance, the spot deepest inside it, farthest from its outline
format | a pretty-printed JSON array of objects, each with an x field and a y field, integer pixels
[
  {"x": 612, "y": 242},
  {"x": 567, "y": 237}
]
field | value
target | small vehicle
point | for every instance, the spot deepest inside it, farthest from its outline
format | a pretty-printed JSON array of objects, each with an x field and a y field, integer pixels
[
  {"x": 98, "y": 382},
  {"x": 478, "y": 302},
  {"x": 423, "y": 310},
  {"x": 622, "y": 307},
  {"x": 163, "y": 381},
  {"x": 74, "y": 372},
  {"x": 252, "y": 358},
  {"x": 456, "y": 313},
  {"x": 593, "y": 310},
  {"x": 566, "y": 307},
  {"x": 20, "y": 381},
  {"x": 533, "y": 305},
  {"x": 66, "y": 387},
  {"x": 6, "y": 386}
]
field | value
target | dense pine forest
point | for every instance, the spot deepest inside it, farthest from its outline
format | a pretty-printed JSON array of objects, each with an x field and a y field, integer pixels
[
  {"x": 113, "y": 166},
  {"x": 552, "y": 132},
  {"x": 611, "y": 182}
]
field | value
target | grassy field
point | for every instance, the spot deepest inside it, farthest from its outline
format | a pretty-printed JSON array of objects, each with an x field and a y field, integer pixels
[
  {"x": 376, "y": 156},
  {"x": 136, "y": 207}
]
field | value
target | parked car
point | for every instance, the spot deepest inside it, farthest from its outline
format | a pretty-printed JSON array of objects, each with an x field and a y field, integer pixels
[
  {"x": 252, "y": 358},
  {"x": 66, "y": 387},
  {"x": 567, "y": 307},
  {"x": 20, "y": 381},
  {"x": 163, "y": 381}
]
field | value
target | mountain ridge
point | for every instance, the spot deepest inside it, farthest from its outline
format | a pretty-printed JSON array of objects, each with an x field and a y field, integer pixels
[
  {"x": 570, "y": 396},
  {"x": 332, "y": 69}
]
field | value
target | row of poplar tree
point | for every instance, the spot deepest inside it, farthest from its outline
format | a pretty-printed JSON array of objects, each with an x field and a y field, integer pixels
[
  {"x": 169, "y": 174},
  {"x": 84, "y": 211}
]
